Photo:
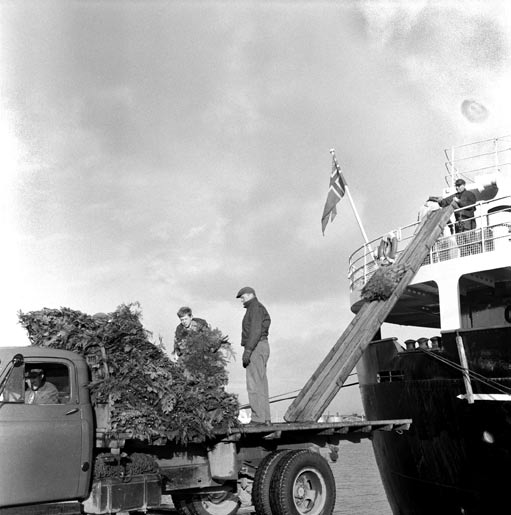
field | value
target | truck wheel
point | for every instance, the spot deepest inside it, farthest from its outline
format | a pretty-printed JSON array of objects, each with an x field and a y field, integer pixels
[
  {"x": 221, "y": 503},
  {"x": 262, "y": 481},
  {"x": 303, "y": 484}
]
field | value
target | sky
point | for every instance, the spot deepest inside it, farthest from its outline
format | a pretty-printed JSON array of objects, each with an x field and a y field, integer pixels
[{"x": 170, "y": 153}]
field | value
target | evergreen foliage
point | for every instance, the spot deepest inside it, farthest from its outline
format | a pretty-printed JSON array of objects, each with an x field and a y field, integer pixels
[
  {"x": 150, "y": 397},
  {"x": 383, "y": 282},
  {"x": 123, "y": 466}
]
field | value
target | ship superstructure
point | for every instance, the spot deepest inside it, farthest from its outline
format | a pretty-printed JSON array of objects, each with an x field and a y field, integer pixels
[{"x": 455, "y": 385}]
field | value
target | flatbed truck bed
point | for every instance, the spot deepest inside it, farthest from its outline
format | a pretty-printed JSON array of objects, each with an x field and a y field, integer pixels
[{"x": 340, "y": 427}]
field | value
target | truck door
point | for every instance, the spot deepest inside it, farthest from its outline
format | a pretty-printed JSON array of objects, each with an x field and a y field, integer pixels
[{"x": 41, "y": 436}]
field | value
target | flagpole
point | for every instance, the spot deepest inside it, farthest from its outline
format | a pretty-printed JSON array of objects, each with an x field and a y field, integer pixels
[{"x": 347, "y": 190}]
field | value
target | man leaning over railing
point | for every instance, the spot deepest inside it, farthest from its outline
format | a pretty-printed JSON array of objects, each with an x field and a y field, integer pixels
[
  {"x": 463, "y": 201},
  {"x": 464, "y": 205}
]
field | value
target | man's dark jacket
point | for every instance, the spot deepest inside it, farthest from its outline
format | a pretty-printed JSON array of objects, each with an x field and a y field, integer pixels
[
  {"x": 467, "y": 198},
  {"x": 197, "y": 325},
  {"x": 255, "y": 325}
]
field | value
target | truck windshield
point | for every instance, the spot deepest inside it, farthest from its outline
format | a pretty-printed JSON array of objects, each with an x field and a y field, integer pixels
[{"x": 14, "y": 388}]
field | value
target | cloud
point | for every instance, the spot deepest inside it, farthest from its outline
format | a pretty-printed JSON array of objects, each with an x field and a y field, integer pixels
[
  {"x": 173, "y": 153},
  {"x": 450, "y": 52}
]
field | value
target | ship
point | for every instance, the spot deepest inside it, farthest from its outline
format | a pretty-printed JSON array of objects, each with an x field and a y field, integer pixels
[{"x": 449, "y": 367}]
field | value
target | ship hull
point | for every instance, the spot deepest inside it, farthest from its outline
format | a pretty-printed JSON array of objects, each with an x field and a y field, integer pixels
[{"x": 456, "y": 457}]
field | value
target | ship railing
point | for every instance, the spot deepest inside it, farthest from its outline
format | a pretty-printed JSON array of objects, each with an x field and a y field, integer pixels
[
  {"x": 479, "y": 163},
  {"x": 492, "y": 233}
]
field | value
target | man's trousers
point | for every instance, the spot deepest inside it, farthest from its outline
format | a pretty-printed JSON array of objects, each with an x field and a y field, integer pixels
[{"x": 257, "y": 383}]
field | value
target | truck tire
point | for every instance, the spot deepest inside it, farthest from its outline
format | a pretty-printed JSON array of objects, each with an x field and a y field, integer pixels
[
  {"x": 262, "y": 481},
  {"x": 219, "y": 503},
  {"x": 303, "y": 483}
]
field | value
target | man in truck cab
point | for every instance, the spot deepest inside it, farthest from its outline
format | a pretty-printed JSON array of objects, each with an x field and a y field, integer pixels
[{"x": 40, "y": 391}]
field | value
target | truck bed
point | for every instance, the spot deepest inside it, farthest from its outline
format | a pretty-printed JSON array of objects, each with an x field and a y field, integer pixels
[
  {"x": 341, "y": 427},
  {"x": 300, "y": 432},
  {"x": 288, "y": 431}
]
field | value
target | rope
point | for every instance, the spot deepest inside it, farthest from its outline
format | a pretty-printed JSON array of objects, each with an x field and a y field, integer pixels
[
  {"x": 273, "y": 398},
  {"x": 473, "y": 375},
  {"x": 300, "y": 389}
]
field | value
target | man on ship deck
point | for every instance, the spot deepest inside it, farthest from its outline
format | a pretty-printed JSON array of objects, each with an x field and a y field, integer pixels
[{"x": 464, "y": 202}]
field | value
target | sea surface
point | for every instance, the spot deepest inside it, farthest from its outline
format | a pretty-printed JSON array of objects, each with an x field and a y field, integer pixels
[{"x": 359, "y": 487}]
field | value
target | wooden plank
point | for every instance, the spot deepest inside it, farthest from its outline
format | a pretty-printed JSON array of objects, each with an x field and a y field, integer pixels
[
  {"x": 329, "y": 377},
  {"x": 359, "y": 320},
  {"x": 333, "y": 358}
]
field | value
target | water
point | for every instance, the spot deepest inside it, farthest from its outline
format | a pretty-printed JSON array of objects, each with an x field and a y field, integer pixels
[{"x": 359, "y": 487}]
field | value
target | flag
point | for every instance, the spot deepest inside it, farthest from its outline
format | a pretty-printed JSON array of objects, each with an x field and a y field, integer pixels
[{"x": 335, "y": 193}]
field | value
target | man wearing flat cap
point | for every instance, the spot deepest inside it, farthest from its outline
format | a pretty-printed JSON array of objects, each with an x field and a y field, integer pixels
[
  {"x": 464, "y": 201},
  {"x": 256, "y": 351},
  {"x": 40, "y": 391}
]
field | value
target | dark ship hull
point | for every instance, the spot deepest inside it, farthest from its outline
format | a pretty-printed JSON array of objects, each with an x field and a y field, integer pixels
[{"x": 456, "y": 457}]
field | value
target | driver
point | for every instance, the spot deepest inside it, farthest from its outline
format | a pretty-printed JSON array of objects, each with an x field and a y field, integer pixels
[{"x": 39, "y": 390}]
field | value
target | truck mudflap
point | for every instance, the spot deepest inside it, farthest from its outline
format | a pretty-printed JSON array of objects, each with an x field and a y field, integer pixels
[{"x": 111, "y": 495}]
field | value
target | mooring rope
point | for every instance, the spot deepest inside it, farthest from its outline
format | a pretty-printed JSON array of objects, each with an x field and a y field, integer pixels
[
  {"x": 274, "y": 398},
  {"x": 473, "y": 375}
]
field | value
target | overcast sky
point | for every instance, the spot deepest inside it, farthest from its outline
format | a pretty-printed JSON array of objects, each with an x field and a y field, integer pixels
[{"x": 172, "y": 152}]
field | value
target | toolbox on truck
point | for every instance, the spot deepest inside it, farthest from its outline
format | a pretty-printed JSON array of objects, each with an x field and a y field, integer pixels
[{"x": 136, "y": 493}]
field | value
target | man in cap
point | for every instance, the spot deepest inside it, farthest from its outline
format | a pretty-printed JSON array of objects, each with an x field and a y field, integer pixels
[
  {"x": 256, "y": 351},
  {"x": 187, "y": 325},
  {"x": 464, "y": 203},
  {"x": 40, "y": 391}
]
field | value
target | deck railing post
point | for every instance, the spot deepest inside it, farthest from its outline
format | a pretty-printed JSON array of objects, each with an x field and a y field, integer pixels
[{"x": 482, "y": 229}]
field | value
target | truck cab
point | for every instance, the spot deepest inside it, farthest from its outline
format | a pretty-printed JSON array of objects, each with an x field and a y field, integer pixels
[{"x": 45, "y": 448}]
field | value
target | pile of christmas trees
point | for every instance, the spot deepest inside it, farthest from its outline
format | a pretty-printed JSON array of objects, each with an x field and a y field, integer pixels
[
  {"x": 383, "y": 282},
  {"x": 150, "y": 396}
]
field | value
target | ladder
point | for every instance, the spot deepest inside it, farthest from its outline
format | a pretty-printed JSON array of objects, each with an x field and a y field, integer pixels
[{"x": 329, "y": 377}]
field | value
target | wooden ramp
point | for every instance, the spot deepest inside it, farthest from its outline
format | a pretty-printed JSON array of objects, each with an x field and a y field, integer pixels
[{"x": 326, "y": 381}]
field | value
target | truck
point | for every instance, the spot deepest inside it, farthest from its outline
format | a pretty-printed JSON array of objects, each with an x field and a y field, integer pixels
[{"x": 50, "y": 454}]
